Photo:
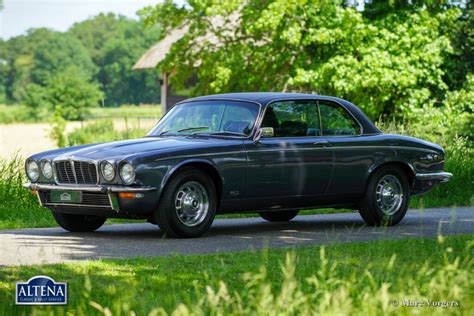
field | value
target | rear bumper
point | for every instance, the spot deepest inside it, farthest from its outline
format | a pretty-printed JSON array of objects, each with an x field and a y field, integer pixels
[
  {"x": 440, "y": 177},
  {"x": 100, "y": 198},
  {"x": 425, "y": 182}
]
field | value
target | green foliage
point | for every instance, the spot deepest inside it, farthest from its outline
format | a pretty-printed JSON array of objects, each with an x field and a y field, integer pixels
[
  {"x": 104, "y": 47},
  {"x": 69, "y": 90},
  {"x": 392, "y": 66},
  {"x": 18, "y": 207},
  {"x": 58, "y": 124},
  {"x": 115, "y": 43},
  {"x": 102, "y": 131},
  {"x": 345, "y": 279},
  {"x": 57, "y": 53},
  {"x": 148, "y": 110}
]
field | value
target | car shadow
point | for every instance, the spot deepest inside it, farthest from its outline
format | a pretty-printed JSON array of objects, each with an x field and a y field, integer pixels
[{"x": 50, "y": 245}]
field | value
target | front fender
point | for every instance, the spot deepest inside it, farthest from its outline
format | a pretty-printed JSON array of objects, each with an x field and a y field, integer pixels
[{"x": 188, "y": 162}]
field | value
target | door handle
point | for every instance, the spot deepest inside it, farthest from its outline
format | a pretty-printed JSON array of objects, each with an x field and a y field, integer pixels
[{"x": 321, "y": 143}]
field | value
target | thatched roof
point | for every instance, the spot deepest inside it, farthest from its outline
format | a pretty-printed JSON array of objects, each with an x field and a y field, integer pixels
[{"x": 157, "y": 53}]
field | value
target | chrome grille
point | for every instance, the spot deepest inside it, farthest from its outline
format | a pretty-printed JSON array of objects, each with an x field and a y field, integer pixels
[
  {"x": 88, "y": 198},
  {"x": 79, "y": 172}
]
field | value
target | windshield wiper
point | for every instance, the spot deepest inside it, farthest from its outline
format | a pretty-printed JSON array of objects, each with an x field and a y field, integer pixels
[
  {"x": 164, "y": 133},
  {"x": 183, "y": 130},
  {"x": 228, "y": 133},
  {"x": 192, "y": 128},
  {"x": 218, "y": 134}
]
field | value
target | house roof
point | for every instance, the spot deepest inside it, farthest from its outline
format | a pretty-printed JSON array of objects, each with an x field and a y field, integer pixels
[{"x": 158, "y": 52}]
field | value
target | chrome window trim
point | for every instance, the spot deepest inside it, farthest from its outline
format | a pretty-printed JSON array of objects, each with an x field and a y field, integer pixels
[
  {"x": 316, "y": 100},
  {"x": 293, "y": 149}
]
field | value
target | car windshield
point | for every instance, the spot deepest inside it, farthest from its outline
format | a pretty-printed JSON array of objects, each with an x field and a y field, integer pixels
[{"x": 231, "y": 118}]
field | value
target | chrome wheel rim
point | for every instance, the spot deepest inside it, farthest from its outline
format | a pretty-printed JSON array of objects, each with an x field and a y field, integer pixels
[
  {"x": 191, "y": 203},
  {"x": 389, "y": 194}
]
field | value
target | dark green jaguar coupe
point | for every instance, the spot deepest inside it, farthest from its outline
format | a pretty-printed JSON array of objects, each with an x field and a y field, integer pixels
[{"x": 272, "y": 153}]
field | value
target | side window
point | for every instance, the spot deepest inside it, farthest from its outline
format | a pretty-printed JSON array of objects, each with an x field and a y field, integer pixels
[
  {"x": 335, "y": 120},
  {"x": 292, "y": 119}
]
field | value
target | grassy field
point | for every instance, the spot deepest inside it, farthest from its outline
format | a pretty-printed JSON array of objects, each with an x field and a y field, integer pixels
[
  {"x": 10, "y": 114},
  {"x": 149, "y": 110},
  {"x": 357, "y": 278}
]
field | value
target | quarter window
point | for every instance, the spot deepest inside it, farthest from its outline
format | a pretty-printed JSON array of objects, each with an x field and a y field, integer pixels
[
  {"x": 335, "y": 121},
  {"x": 292, "y": 118}
]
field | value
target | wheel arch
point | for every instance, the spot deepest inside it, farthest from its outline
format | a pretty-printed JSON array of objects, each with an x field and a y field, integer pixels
[
  {"x": 406, "y": 167},
  {"x": 202, "y": 164}
]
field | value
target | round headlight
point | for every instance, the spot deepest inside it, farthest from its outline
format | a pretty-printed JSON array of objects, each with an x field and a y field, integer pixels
[
  {"x": 32, "y": 170},
  {"x": 127, "y": 173},
  {"x": 47, "y": 169},
  {"x": 108, "y": 171}
]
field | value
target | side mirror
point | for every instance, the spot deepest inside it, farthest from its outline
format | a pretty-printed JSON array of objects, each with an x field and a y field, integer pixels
[
  {"x": 267, "y": 132},
  {"x": 264, "y": 132}
]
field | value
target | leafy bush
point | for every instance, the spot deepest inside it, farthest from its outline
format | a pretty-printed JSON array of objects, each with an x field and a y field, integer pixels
[
  {"x": 70, "y": 90},
  {"x": 18, "y": 207},
  {"x": 101, "y": 131}
]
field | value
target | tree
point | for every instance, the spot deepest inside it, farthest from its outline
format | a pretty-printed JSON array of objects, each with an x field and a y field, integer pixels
[
  {"x": 115, "y": 43},
  {"x": 68, "y": 92},
  {"x": 58, "y": 52},
  {"x": 391, "y": 65},
  {"x": 38, "y": 55}
]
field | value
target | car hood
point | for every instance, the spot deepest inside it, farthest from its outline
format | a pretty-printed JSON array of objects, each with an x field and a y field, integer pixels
[{"x": 142, "y": 146}]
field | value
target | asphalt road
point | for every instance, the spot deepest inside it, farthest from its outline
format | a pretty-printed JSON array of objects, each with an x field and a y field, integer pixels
[{"x": 54, "y": 245}]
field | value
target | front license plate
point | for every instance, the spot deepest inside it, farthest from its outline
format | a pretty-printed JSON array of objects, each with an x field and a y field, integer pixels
[{"x": 66, "y": 196}]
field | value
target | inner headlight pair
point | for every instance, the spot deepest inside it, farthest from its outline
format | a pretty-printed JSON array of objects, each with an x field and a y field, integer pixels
[
  {"x": 127, "y": 172},
  {"x": 33, "y": 170}
]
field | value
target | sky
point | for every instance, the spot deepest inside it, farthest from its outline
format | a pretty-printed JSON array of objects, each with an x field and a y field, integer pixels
[{"x": 17, "y": 16}]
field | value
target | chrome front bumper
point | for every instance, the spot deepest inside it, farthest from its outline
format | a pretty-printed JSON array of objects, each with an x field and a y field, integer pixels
[
  {"x": 435, "y": 176},
  {"x": 87, "y": 188},
  {"x": 98, "y": 196}
]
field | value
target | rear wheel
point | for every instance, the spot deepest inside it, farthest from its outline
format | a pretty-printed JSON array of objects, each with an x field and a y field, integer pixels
[
  {"x": 278, "y": 216},
  {"x": 78, "y": 223},
  {"x": 188, "y": 204},
  {"x": 387, "y": 197}
]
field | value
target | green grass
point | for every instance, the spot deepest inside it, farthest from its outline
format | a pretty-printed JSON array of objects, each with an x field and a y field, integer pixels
[
  {"x": 150, "y": 110},
  {"x": 16, "y": 113},
  {"x": 102, "y": 131},
  {"x": 357, "y": 278}
]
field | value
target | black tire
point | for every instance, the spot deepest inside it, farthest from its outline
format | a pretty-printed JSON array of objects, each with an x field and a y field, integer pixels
[
  {"x": 278, "y": 216},
  {"x": 78, "y": 223},
  {"x": 167, "y": 213},
  {"x": 371, "y": 210}
]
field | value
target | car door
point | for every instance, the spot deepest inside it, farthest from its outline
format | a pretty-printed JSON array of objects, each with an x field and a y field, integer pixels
[
  {"x": 296, "y": 160},
  {"x": 352, "y": 156}
]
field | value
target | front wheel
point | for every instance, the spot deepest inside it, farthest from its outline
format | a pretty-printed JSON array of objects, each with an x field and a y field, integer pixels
[
  {"x": 188, "y": 204},
  {"x": 387, "y": 197},
  {"x": 278, "y": 216},
  {"x": 78, "y": 223}
]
